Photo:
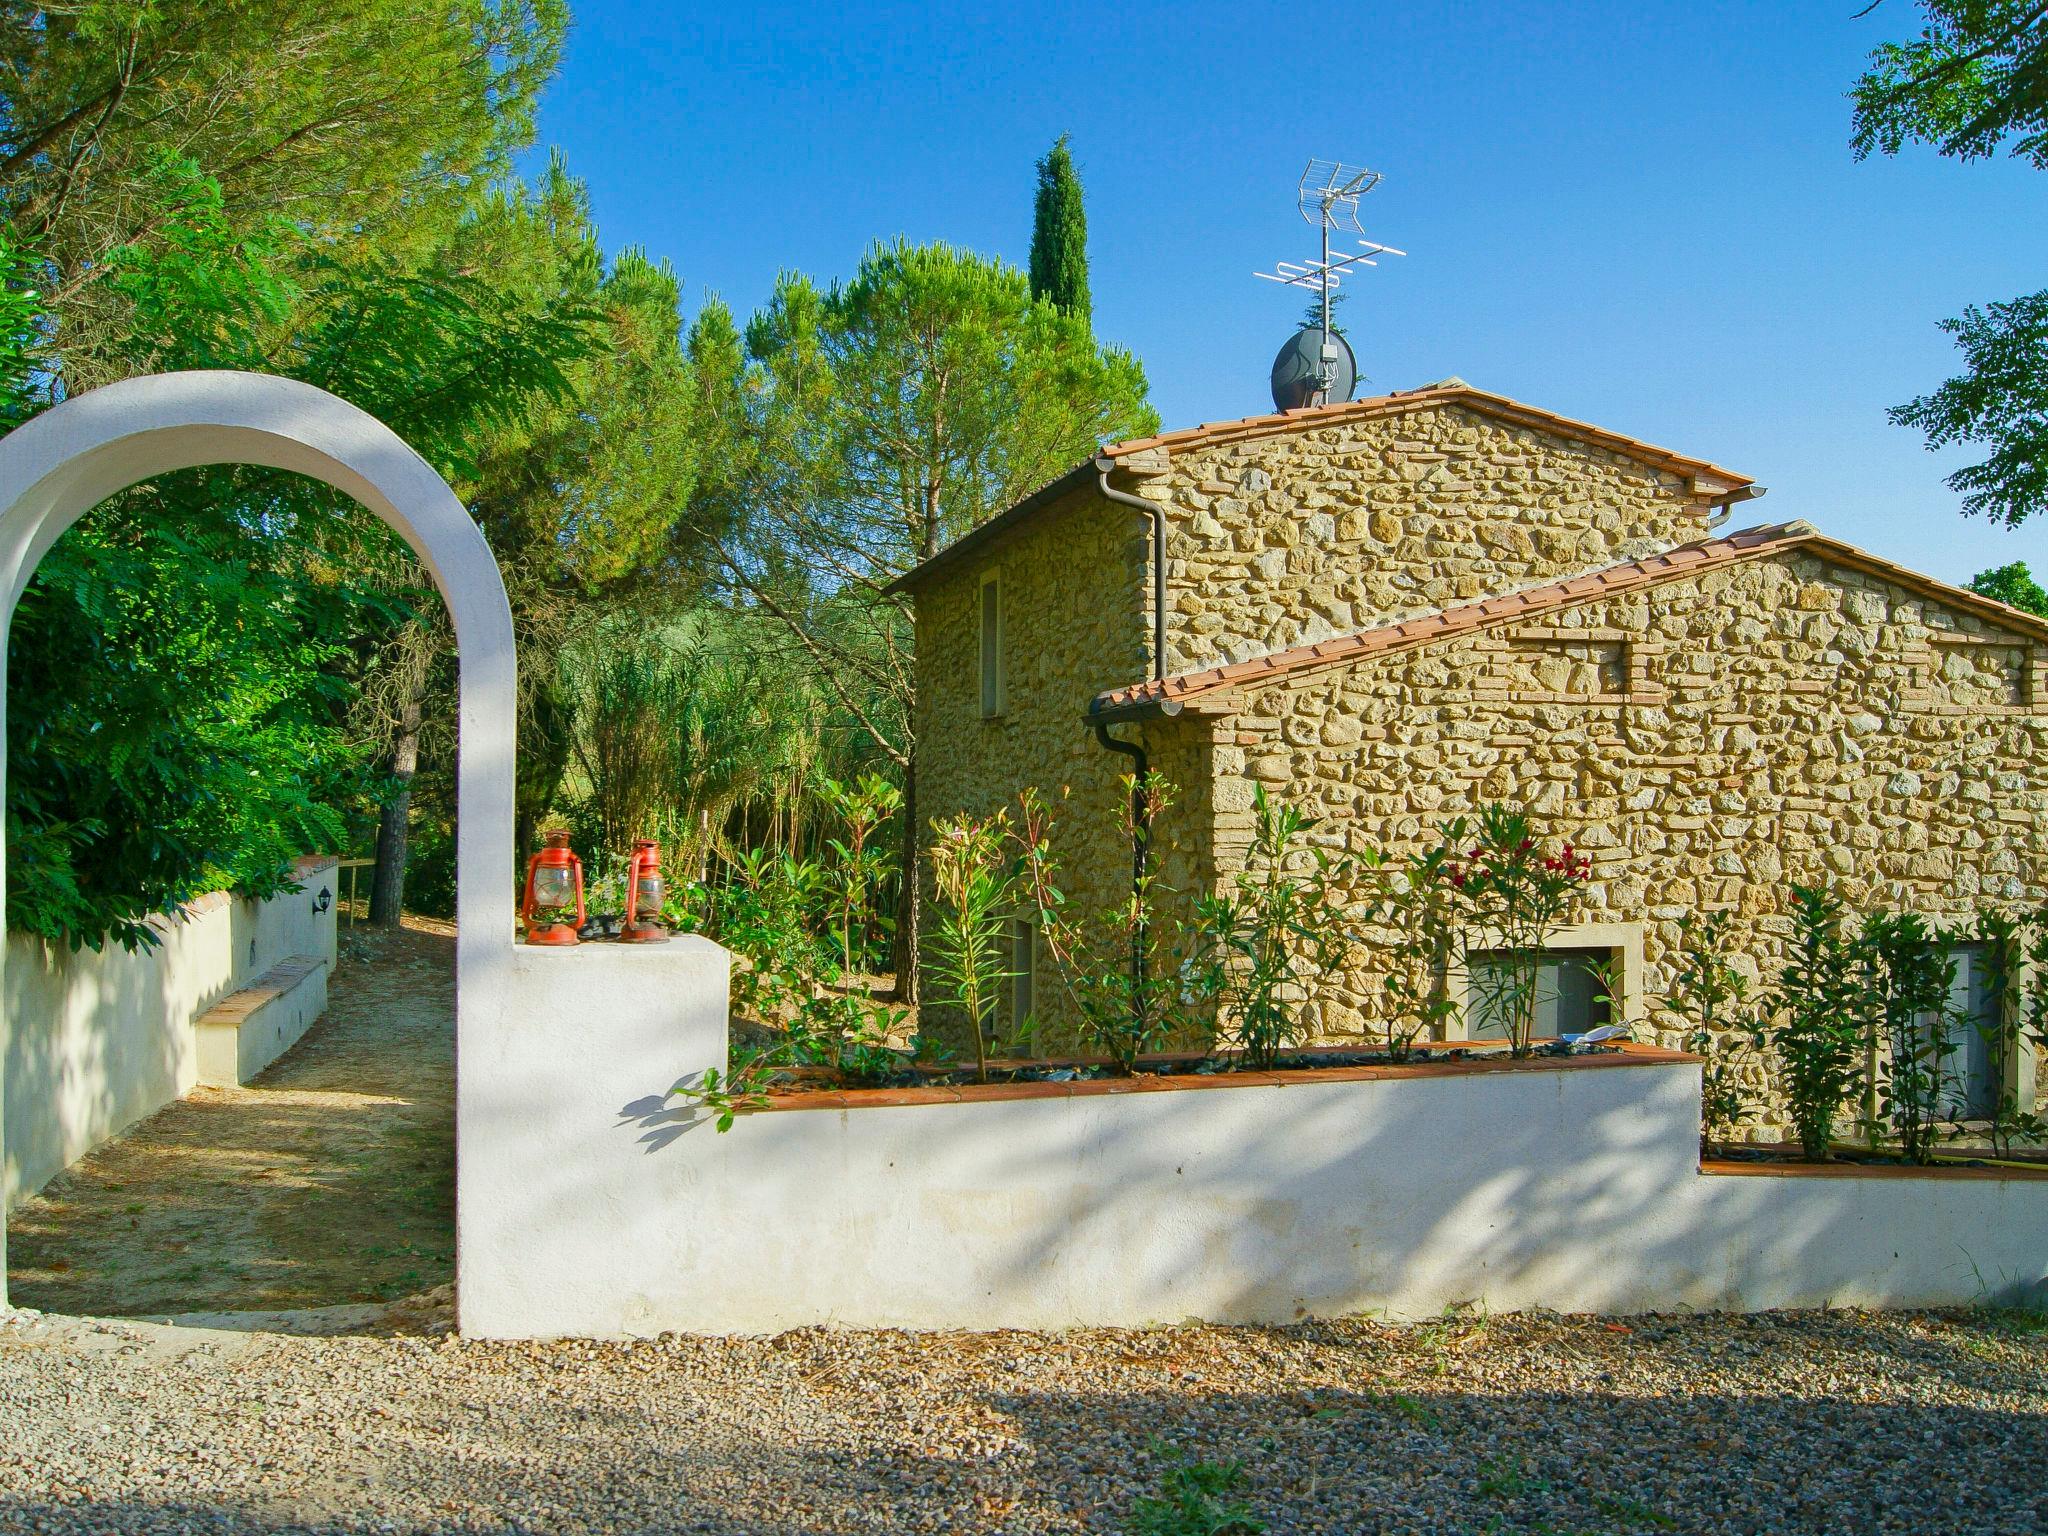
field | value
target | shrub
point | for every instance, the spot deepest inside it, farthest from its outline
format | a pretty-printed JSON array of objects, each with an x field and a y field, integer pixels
[
  {"x": 860, "y": 864},
  {"x": 1709, "y": 1006},
  {"x": 1126, "y": 972},
  {"x": 976, "y": 893},
  {"x": 805, "y": 930},
  {"x": 1518, "y": 896},
  {"x": 2015, "y": 1013},
  {"x": 1910, "y": 975},
  {"x": 1817, "y": 1025},
  {"x": 1267, "y": 942},
  {"x": 1424, "y": 907}
]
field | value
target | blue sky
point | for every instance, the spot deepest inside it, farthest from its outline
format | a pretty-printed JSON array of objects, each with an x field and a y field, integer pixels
[{"x": 1644, "y": 216}]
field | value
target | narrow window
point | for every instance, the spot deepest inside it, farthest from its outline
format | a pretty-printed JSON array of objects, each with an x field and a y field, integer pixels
[
  {"x": 991, "y": 646},
  {"x": 1023, "y": 972}
]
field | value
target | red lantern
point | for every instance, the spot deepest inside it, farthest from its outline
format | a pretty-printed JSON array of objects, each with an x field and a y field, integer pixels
[
  {"x": 644, "y": 895},
  {"x": 554, "y": 879}
]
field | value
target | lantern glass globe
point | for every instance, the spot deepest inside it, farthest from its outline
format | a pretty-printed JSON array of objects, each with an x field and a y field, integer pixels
[{"x": 552, "y": 887}]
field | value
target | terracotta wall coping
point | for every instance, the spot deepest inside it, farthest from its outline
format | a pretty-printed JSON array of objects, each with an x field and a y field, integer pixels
[
  {"x": 1630, "y": 1055},
  {"x": 1720, "y": 1167},
  {"x": 304, "y": 868}
]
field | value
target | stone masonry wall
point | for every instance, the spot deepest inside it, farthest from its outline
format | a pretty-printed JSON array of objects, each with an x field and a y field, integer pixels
[
  {"x": 1074, "y": 623},
  {"x": 1707, "y": 741},
  {"x": 1283, "y": 540}
]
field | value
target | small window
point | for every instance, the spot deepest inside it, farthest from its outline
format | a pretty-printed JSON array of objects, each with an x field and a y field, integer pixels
[
  {"x": 1571, "y": 994},
  {"x": 1023, "y": 972},
  {"x": 991, "y": 646}
]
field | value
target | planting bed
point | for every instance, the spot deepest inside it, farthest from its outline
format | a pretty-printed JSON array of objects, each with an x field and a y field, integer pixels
[
  {"x": 826, "y": 1087},
  {"x": 1785, "y": 1158}
]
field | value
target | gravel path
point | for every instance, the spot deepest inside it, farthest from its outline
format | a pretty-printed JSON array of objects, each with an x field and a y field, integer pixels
[
  {"x": 330, "y": 1179},
  {"x": 1835, "y": 1423}
]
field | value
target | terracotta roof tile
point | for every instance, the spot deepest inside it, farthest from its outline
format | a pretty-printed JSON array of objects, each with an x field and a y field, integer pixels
[{"x": 1170, "y": 694}]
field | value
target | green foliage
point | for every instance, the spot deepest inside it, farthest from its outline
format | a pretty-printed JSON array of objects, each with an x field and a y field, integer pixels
[
  {"x": 1516, "y": 897},
  {"x": 1911, "y": 974},
  {"x": 1509, "y": 1478},
  {"x": 2001, "y": 399},
  {"x": 207, "y": 615},
  {"x": 804, "y": 931},
  {"x": 1818, "y": 1018},
  {"x": 365, "y": 118},
  {"x": 764, "y": 910},
  {"x": 2016, "y": 998},
  {"x": 2013, "y": 584},
  {"x": 1709, "y": 1007},
  {"x": 1196, "y": 1498},
  {"x": 860, "y": 868},
  {"x": 864, "y": 426},
  {"x": 1423, "y": 913},
  {"x": 22, "y": 330},
  {"x": 1974, "y": 79},
  {"x": 1124, "y": 969},
  {"x": 174, "y": 725},
  {"x": 1312, "y": 316},
  {"x": 1267, "y": 943},
  {"x": 249, "y": 185},
  {"x": 1059, "y": 235},
  {"x": 727, "y": 1095},
  {"x": 204, "y": 292},
  {"x": 976, "y": 890}
]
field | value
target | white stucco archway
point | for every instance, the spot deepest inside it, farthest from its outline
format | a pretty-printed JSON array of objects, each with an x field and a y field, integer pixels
[{"x": 66, "y": 461}]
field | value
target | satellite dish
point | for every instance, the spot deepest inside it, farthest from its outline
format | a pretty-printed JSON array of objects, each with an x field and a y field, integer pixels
[{"x": 1298, "y": 371}]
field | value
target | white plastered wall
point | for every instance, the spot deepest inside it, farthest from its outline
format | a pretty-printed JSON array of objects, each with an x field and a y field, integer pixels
[
  {"x": 1575, "y": 1189},
  {"x": 99, "y": 1039}
]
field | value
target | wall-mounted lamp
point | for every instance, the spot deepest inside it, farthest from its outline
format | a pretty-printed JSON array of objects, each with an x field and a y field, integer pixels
[{"x": 323, "y": 901}]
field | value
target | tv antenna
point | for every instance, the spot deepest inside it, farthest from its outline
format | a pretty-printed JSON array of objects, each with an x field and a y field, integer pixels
[{"x": 1328, "y": 198}]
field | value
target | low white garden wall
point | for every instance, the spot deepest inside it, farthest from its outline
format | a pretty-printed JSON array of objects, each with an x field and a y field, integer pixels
[
  {"x": 1578, "y": 1188},
  {"x": 99, "y": 1040}
]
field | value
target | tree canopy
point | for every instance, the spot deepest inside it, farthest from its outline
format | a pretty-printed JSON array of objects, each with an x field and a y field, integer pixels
[
  {"x": 2012, "y": 584},
  {"x": 868, "y": 425},
  {"x": 1059, "y": 235},
  {"x": 1974, "y": 81},
  {"x": 326, "y": 196},
  {"x": 219, "y": 669}
]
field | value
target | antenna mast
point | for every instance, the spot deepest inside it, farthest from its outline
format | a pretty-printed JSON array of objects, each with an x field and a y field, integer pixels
[{"x": 1328, "y": 198}]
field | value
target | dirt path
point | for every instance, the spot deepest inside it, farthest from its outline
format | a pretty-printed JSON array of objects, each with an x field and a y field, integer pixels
[{"x": 329, "y": 1180}]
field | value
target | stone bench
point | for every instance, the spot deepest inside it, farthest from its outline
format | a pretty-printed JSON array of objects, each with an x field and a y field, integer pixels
[{"x": 250, "y": 1028}]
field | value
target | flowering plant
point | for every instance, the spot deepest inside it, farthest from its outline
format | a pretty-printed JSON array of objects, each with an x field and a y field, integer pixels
[{"x": 1518, "y": 895}]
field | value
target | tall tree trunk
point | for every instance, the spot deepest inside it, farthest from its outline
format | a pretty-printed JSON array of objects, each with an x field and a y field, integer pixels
[
  {"x": 387, "y": 885},
  {"x": 903, "y": 951}
]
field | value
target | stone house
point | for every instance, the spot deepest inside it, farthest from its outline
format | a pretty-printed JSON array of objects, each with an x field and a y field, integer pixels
[{"x": 1394, "y": 610}]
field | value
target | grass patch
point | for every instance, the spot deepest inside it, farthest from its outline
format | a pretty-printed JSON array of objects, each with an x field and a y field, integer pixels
[{"x": 1197, "y": 1498}]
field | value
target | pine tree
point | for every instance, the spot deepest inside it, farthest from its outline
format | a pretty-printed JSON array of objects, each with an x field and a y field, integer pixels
[{"x": 1059, "y": 235}]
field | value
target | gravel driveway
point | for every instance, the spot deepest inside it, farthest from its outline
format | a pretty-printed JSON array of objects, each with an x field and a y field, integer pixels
[{"x": 1837, "y": 1423}]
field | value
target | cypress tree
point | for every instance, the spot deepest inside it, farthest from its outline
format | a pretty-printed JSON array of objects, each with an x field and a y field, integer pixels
[{"x": 1059, "y": 234}]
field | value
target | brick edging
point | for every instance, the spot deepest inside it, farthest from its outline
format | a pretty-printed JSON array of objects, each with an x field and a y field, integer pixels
[{"x": 1630, "y": 1055}]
